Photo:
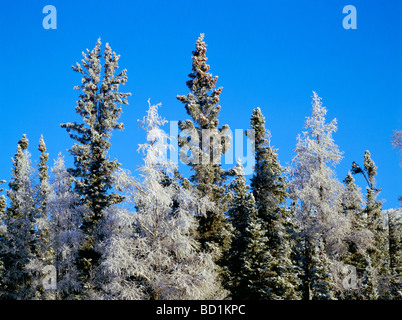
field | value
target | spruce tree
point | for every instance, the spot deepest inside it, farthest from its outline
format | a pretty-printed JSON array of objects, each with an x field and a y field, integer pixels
[
  {"x": 207, "y": 143},
  {"x": 378, "y": 251},
  {"x": 99, "y": 105},
  {"x": 315, "y": 191},
  {"x": 321, "y": 281},
  {"x": 151, "y": 253},
  {"x": 64, "y": 229},
  {"x": 241, "y": 208},
  {"x": 269, "y": 189},
  {"x": 370, "y": 285},
  {"x": 359, "y": 238},
  {"x": 395, "y": 253},
  {"x": 19, "y": 246},
  {"x": 45, "y": 253},
  {"x": 3, "y": 234}
]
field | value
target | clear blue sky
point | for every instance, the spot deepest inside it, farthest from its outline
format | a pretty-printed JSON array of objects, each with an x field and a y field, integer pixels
[{"x": 267, "y": 54}]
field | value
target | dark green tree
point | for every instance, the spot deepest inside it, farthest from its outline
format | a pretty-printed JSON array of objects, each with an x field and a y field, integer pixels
[
  {"x": 321, "y": 283},
  {"x": 375, "y": 223},
  {"x": 99, "y": 105},
  {"x": 395, "y": 253},
  {"x": 207, "y": 142},
  {"x": 241, "y": 209},
  {"x": 359, "y": 238},
  {"x": 269, "y": 186}
]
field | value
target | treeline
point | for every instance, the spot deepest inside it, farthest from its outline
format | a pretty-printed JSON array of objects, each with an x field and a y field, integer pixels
[{"x": 95, "y": 231}]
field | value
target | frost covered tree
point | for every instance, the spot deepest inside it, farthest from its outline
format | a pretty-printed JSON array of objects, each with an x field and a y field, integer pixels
[
  {"x": 206, "y": 142},
  {"x": 20, "y": 243},
  {"x": 395, "y": 252},
  {"x": 99, "y": 105},
  {"x": 321, "y": 282},
  {"x": 152, "y": 253},
  {"x": 44, "y": 254},
  {"x": 3, "y": 234},
  {"x": 241, "y": 208},
  {"x": 269, "y": 189},
  {"x": 378, "y": 251},
  {"x": 397, "y": 140},
  {"x": 359, "y": 238},
  {"x": 64, "y": 227},
  {"x": 315, "y": 189},
  {"x": 370, "y": 285},
  {"x": 43, "y": 251}
]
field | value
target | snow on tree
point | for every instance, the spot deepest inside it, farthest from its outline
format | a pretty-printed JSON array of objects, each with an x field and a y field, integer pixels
[
  {"x": 394, "y": 223},
  {"x": 359, "y": 238},
  {"x": 397, "y": 141},
  {"x": 315, "y": 189},
  {"x": 269, "y": 189},
  {"x": 151, "y": 253},
  {"x": 206, "y": 143},
  {"x": 66, "y": 236},
  {"x": 18, "y": 247},
  {"x": 370, "y": 285},
  {"x": 44, "y": 251},
  {"x": 3, "y": 234},
  {"x": 378, "y": 251},
  {"x": 321, "y": 281},
  {"x": 241, "y": 208},
  {"x": 100, "y": 108}
]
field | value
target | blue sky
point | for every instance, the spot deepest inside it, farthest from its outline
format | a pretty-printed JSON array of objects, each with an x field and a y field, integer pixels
[{"x": 267, "y": 54}]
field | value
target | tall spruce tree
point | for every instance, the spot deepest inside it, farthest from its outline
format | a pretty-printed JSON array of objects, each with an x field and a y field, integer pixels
[
  {"x": 207, "y": 143},
  {"x": 359, "y": 238},
  {"x": 378, "y": 251},
  {"x": 100, "y": 108},
  {"x": 45, "y": 252},
  {"x": 3, "y": 234},
  {"x": 269, "y": 189},
  {"x": 151, "y": 253},
  {"x": 19, "y": 246},
  {"x": 315, "y": 190},
  {"x": 241, "y": 208}
]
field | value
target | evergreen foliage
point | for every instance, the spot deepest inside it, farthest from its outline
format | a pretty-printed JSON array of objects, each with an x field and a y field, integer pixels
[
  {"x": 207, "y": 142},
  {"x": 96, "y": 231},
  {"x": 99, "y": 105}
]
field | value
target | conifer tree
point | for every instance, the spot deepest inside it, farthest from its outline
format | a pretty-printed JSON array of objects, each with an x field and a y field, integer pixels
[
  {"x": 257, "y": 257},
  {"x": 151, "y": 253},
  {"x": 64, "y": 228},
  {"x": 3, "y": 234},
  {"x": 375, "y": 223},
  {"x": 45, "y": 253},
  {"x": 370, "y": 285},
  {"x": 99, "y": 105},
  {"x": 359, "y": 238},
  {"x": 207, "y": 143},
  {"x": 315, "y": 191},
  {"x": 321, "y": 281},
  {"x": 269, "y": 189},
  {"x": 241, "y": 208},
  {"x": 20, "y": 243},
  {"x": 395, "y": 253}
]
